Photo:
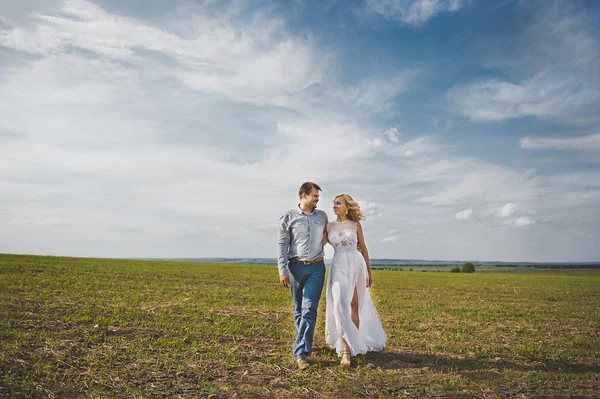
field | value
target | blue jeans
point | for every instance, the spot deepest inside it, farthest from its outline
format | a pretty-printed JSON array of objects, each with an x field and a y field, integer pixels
[{"x": 306, "y": 284}]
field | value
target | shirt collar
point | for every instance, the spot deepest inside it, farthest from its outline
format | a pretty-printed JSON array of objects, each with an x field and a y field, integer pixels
[{"x": 302, "y": 212}]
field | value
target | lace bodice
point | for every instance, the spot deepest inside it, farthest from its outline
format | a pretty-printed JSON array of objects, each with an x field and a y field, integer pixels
[{"x": 342, "y": 235}]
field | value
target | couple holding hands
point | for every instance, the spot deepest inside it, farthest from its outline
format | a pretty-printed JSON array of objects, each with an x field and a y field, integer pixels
[{"x": 352, "y": 325}]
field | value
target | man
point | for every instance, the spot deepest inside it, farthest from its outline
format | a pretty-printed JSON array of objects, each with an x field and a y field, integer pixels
[{"x": 301, "y": 265}]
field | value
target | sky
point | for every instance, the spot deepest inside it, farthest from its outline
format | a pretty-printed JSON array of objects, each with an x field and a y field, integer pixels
[{"x": 466, "y": 129}]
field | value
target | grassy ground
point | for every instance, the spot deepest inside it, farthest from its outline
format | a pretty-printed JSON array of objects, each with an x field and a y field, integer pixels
[{"x": 114, "y": 328}]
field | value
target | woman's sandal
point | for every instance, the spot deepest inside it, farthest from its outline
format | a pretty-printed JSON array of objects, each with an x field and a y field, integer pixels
[{"x": 346, "y": 359}]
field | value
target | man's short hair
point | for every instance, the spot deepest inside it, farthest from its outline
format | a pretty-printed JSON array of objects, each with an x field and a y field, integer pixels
[{"x": 307, "y": 187}]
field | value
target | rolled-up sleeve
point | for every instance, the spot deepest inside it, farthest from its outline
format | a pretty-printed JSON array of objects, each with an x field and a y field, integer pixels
[{"x": 283, "y": 245}]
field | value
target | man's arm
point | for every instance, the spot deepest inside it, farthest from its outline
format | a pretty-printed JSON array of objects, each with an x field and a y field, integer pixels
[
  {"x": 325, "y": 239},
  {"x": 283, "y": 249}
]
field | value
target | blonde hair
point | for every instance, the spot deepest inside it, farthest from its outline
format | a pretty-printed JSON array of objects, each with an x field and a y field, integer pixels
[{"x": 354, "y": 212}]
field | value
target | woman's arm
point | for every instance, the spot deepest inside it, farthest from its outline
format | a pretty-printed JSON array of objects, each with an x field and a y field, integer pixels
[{"x": 365, "y": 251}]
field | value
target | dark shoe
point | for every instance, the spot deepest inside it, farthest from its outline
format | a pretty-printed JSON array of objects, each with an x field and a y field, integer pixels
[{"x": 303, "y": 364}]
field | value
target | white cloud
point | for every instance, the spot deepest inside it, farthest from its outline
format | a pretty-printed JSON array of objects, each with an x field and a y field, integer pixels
[
  {"x": 370, "y": 209},
  {"x": 543, "y": 97},
  {"x": 464, "y": 215},
  {"x": 414, "y": 12},
  {"x": 485, "y": 183},
  {"x": 376, "y": 93},
  {"x": 580, "y": 143},
  {"x": 370, "y": 95},
  {"x": 553, "y": 79},
  {"x": 524, "y": 221},
  {"x": 241, "y": 62},
  {"x": 338, "y": 144},
  {"x": 568, "y": 181},
  {"x": 390, "y": 239},
  {"x": 442, "y": 169},
  {"x": 507, "y": 210},
  {"x": 425, "y": 145},
  {"x": 393, "y": 135},
  {"x": 588, "y": 147}
]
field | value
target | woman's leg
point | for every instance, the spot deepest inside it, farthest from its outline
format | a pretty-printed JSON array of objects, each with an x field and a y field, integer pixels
[
  {"x": 345, "y": 345},
  {"x": 356, "y": 321},
  {"x": 354, "y": 309},
  {"x": 346, "y": 358}
]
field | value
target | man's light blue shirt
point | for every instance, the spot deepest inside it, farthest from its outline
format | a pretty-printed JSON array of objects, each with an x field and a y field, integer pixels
[{"x": 300, "y": 236}]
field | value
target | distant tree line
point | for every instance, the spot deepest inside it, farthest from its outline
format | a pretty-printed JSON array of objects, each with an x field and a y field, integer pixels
[
  {"x": 469, "y": 267},
  {"x": 379, "y": 266},
  {"x": 552, "y": 265}
]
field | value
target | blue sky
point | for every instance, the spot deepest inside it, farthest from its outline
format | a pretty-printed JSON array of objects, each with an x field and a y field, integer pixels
[{"x": 466, "y": 129}]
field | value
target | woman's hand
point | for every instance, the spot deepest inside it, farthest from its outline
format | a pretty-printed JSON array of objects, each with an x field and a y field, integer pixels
[{"x": 370, "y": 279}]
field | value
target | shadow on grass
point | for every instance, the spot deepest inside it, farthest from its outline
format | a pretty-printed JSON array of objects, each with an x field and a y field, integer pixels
[
  {"x": 400, "y": 360},
  {"x": 390, "y": 360}
]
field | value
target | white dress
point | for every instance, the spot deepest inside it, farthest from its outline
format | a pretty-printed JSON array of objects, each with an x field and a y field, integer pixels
[{"x": 349, "y": 270}]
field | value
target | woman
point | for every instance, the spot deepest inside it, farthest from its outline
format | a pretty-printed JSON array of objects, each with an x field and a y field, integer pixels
[{"x": 352, "y": 326}]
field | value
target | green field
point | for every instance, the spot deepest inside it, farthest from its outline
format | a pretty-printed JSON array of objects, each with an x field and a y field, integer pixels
[{"x": 72, "y": 327}]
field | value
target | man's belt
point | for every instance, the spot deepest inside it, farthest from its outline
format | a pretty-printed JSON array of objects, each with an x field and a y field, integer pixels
[{"x": 306, "y": 262}]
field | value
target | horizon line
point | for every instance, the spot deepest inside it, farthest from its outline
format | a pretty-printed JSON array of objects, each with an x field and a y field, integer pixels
[{"x": 274, "y": 260}]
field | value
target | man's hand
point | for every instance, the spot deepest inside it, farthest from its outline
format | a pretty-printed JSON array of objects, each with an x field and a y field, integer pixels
[{"x": 285, "y": 280}]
